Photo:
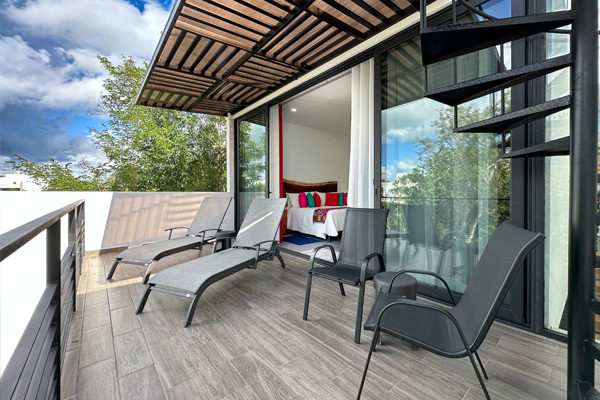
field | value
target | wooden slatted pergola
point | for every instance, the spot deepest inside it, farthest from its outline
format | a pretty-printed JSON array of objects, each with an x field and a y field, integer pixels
[{"x": 218, "y": 56}]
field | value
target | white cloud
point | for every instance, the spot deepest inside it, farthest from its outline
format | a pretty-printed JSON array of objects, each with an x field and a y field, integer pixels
[
  {"x": 67, "y": 74},
  {"x": 107, "y": 26},
  {"x": 400, "y": 168}
]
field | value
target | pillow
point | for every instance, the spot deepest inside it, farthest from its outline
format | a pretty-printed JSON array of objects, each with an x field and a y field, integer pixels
[
  {"x": 302, "y": 200},
  {"x": 293, "y": 199},
  {"x": 317, "y": 198},
  {"x": 331, "y": 199},
  {"x": 310, "y": 199},
  {"x": 341, "y": 199},
  {"x": 346, "y": 199}
]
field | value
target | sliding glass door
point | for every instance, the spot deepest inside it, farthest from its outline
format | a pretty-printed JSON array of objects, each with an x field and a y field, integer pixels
[
  {"x": 252, "y": 161},
  {"x": 447, "y": 192}
]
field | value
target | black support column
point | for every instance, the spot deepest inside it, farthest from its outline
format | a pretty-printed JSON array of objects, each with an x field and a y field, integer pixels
[{"x": 582, "y": 230}]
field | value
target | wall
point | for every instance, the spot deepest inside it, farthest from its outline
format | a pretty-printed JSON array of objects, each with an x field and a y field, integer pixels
[{"x": 311, "y": 155}]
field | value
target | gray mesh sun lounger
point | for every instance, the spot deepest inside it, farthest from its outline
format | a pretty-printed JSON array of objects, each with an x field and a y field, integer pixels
[
  {"x": 206, "y": 223},
  {"x": 255, "y": 242}
]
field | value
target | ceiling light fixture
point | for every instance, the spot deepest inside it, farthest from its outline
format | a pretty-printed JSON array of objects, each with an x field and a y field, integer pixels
[{"x": 293, "y": 110}]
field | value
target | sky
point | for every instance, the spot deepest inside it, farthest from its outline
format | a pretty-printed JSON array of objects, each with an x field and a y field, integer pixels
[{"x": 50, "y": 76}]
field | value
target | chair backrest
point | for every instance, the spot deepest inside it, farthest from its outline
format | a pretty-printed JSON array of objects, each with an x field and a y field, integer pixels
[
  {"x": 420, "y": 225},
  {"x": 364, "y": 233},
  {"x": 493, "y": 276},
  {"x": 261, "y": 222},
  {"x": 210, "y": 215}
]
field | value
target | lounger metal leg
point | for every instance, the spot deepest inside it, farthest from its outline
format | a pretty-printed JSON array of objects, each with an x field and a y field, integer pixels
[
  {"x": 147, "y": 274},
  {"x": 359, "y": 312},
  {"x": 307, "y": 296},
  {"x": 342, "y": 289},
  {"x": 143, "y": 300},
  {"x": 113, "y": 268},
  {"x": 481, "y": 365},
  {"x": 191, "y": 310},
  {"x": 364, "y": 375},
  {"x": 276, "y": 254}
]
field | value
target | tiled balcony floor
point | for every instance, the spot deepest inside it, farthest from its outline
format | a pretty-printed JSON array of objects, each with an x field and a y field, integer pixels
[{"x": 248, "y": 341}]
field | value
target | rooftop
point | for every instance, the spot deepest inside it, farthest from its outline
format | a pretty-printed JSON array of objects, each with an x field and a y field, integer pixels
[{"x": 248, "y": 341}]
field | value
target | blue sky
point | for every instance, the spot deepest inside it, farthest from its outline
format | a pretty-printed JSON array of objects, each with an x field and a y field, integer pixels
[{"x": 50, "y": 77}]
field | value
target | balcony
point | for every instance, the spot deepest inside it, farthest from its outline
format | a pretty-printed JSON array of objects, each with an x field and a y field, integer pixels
[{"x": 248, "y": 340}]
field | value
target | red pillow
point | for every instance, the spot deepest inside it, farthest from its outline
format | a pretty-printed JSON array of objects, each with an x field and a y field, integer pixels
[
  {"x": 345, "y": 199},
  {"x": 317, "y": 199},
  {"x": 302, "y": 200},
  {"x": 332, "y": 199}
]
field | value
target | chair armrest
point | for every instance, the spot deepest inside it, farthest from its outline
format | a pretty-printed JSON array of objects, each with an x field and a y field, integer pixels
[
  {"x": 365, "y": 264},
  {"x": 258, "y": 247},
  {"x": 430, "y": 306},
  {"x": 173, "y": 228},
  {"x": 416, "y": 271},
  {"x": 316, "y": 250}
]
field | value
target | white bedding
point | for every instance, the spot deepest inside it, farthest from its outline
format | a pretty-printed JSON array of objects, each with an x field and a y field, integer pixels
[{"x": 301, "y": 220}]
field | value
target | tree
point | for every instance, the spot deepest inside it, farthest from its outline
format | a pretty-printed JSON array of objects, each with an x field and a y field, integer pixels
[
  {"x": 147, "y": 148},
  {"x": 435, "y": 181}
]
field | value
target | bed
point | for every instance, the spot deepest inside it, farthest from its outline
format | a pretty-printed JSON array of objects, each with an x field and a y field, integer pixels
[{"x": 301, "y": 219}]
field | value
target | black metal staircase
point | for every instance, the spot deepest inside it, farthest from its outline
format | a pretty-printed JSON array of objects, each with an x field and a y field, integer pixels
[{"x": 440, "y": 43}]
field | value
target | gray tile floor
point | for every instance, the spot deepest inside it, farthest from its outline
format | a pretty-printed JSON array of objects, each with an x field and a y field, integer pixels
[{"x": 248, "y": 341}]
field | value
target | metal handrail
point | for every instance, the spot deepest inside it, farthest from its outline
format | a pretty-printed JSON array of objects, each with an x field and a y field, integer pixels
[{"x": 35, "y": 367}]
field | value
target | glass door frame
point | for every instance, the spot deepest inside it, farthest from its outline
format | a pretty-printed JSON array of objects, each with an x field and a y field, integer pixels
[{"x": 236, "y": 194}]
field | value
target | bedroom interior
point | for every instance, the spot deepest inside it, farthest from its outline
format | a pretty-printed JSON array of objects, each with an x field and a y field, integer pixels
[{"x": 316, "y": 158}]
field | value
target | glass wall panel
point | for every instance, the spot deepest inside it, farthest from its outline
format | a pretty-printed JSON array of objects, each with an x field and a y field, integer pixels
[
  {"x": 556, "y": 176},
  {"x": 446, "y": 191},
  {"x": 252, "y": 159}
]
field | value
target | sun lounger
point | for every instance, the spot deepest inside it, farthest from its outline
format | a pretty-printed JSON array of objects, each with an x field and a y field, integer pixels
[
  {"x": 255, "y": 242},
  {"x": 205, "y": 225}
]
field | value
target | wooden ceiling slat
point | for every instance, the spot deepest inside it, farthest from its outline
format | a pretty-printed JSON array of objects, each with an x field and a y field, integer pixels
[
  {"x": 219, "y": 55},
  {"x": 220, "y": 22}
]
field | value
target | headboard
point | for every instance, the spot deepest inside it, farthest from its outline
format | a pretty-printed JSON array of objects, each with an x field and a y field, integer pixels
[{"x": 290, "y": 186}]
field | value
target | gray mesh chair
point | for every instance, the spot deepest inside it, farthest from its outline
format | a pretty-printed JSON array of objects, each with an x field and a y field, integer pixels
[
  {"x": 192, "y": 278},
  {"x": 205, "y": 225},
  {"x": 361, "y": 256},
  {"x": 458, "y": 331}
]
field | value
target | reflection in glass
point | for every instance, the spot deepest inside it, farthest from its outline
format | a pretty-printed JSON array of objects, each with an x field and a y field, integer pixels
[
  {"x": 446, "y": 192},
  {"x": 252, "y": 161}
]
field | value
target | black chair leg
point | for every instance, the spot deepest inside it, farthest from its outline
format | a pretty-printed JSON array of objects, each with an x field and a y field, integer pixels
[
  {"x": 342, "y": 289},
  {"x": 364, "y": 375},
  {"x": 481, "y": 383},
  {"x": 481, "y": 365},
  {"x": 307, "y": 296},
  {"x": 359, "y": 312}
]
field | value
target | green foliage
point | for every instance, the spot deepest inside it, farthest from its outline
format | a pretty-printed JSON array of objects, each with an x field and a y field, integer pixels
[
  {"x": 452, "y": 171},
  {"x": 252, "y": 165},
  {"x": 147, "y": 148}
]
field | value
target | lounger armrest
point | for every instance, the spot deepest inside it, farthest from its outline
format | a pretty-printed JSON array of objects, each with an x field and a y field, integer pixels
[
  {"x": 429, "y": 306},
  {"x": 175, "y": 227},
  {"x": 316, "y": 250},
  {"x": 257, "y": 246},
  {"x": 416, "y": 271},
  {"x": 365, "y": 265},
  {"x": 203, "y": 232}
]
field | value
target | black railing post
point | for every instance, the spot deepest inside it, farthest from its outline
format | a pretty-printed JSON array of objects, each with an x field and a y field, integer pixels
[
  {"x": 582, "y": 229},
  {"x": 53, "y": 276}
]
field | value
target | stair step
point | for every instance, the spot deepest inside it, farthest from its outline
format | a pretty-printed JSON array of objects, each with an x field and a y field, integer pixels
[
  {"x": 588, "y": 392},
  {"x": 595, "y": 305},
  {"x": 439, "y": 43},
  {"x": 472, "y": 89},
  {"x": 593, "y": 347},
  {"x": 557, "y": 147},
  {"x": 513, "y": 119}
]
